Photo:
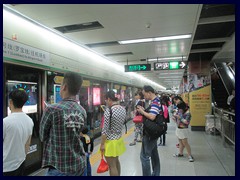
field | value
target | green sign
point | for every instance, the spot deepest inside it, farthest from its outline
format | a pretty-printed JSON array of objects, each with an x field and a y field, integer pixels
[
  {"x": 137, "y": 67},
  {"x": 173, "y": 65},
  {"x": 170, "y": 65}
]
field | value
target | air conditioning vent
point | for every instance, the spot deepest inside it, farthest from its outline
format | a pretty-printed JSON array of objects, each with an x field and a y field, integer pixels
[
  {"x": 79, "y": 27},
  {"x": 95, "y": 45},
  {"x": 119, "y": 54}
]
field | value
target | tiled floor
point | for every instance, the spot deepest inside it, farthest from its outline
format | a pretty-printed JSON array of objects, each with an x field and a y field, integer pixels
[{"x": 212, "y": 158}]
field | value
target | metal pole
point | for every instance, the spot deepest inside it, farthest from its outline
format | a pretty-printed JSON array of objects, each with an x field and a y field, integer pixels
[{"x": 223, "y": 129}]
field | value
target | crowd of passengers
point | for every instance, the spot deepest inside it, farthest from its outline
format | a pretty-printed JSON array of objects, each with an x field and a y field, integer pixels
[{"x": 67, "y": 146}]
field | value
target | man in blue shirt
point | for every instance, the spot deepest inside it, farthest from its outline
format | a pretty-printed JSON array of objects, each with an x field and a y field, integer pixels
[{"x": 149, "y": 146}]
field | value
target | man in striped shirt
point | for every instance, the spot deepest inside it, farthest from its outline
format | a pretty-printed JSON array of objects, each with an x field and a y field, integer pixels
[
  {"x": 149, "y": 146},
  {"x": 60, "y": 129}
]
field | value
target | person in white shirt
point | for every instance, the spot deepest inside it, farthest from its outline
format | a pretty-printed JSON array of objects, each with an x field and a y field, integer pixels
[
  {"x": 231, "y": 97},
  {"x": 17, "y": 133}
]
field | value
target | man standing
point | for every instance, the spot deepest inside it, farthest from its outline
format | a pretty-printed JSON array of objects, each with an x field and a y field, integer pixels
[
  {"x": 149, "y": 146},
  {"x": 60, "y": 129},
  {"x": 17, "y": 133}
]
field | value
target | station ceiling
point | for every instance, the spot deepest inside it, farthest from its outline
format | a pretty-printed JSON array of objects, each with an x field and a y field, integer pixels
[{"x": 101, "y": 26}]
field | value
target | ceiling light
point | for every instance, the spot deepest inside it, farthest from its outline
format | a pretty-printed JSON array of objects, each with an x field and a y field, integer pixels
[
  {"x": 165, "y": 38},
  {"x": 172, "y": 37},
  {"x": 136, "y": 41},
  {"x": 168, "y": 58}
]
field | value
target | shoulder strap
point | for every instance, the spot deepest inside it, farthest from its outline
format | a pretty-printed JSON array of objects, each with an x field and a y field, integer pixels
[{"x": 110, "y": 117}]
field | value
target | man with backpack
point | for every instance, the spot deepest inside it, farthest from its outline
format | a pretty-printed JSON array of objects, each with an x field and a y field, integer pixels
[{"x": 149, "y": 145}]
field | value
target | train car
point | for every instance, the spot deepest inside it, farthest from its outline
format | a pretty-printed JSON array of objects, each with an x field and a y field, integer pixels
[{"x": 37, "y": 61}]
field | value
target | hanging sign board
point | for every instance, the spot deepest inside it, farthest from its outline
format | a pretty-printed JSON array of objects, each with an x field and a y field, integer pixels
[
  {"x": 173, "y": 65},
  {"x": 137, "y": 67}
]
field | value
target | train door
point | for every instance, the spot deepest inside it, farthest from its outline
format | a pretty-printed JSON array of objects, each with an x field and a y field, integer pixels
[
  {"x": 17, "y": 77},
  {"x": 54, "y": 81},
  {"x": 84, "y": 97}
]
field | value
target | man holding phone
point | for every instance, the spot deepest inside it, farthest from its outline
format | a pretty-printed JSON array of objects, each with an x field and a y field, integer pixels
[{"x": 149, "y": 146}]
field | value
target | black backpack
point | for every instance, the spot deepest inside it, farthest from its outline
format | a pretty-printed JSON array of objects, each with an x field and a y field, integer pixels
[{"x": 154, "y": 128}]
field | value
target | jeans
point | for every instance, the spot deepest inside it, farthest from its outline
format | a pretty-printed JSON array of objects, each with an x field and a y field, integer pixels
[
  {"x": 149, "y": 150},
  {"x": 55, "y": 172},
  {"x": 88, "y": 170}
]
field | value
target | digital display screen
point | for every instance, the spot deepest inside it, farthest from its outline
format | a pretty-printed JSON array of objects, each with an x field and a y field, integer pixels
[
  {"x": 57, "y": 96},
  {"x": 31, "y": 89},
  {"x": 96, "y": 96}
]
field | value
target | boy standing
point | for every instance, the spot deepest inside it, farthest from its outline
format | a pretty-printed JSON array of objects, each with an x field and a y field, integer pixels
[{"x": 88, "y": 148}]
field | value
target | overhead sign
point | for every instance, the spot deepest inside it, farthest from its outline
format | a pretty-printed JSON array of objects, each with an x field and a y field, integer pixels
[
  {"x": 137, "y": 67},
  {"x": 170, "y": 65}
]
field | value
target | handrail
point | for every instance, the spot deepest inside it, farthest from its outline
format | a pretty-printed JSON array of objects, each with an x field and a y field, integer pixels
[
  {"x": 232, "y": 71},
  {"x": 224, "y": 135}
]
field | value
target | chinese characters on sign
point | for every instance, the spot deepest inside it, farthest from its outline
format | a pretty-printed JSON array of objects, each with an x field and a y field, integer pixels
[
  {"x": 170, "y": 65},
  {"x": 137, "y": 67},
  {"x": 19, "y": 51}
]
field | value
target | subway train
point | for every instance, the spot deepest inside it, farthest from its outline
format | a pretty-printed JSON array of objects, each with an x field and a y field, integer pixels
[{"x": 165, "y": 46}]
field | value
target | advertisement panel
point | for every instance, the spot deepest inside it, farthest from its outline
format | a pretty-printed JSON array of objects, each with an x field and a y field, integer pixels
[{"x": 200, "y": 105}]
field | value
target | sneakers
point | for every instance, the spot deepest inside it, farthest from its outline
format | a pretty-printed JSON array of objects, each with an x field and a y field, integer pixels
[
  {"x": 132, "y": 143},
  {"x": 139, "y": 140},
  {"x": 177, "y": 155},
  {"x": 190, "y": 159}
]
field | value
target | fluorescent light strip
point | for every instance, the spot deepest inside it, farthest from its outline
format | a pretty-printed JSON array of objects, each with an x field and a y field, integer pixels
[
  {"x": 172, "y": 37},
  {"x": 165, "y": 38},
  {"x": 136, "y": 41},
  {"x": 167, "y": 58}
]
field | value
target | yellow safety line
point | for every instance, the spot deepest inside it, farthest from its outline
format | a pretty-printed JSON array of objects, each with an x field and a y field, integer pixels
[{"x": 97, "y": 156}]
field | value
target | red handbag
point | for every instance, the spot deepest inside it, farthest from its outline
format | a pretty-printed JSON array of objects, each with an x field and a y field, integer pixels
[
  {"x": 103, "y": 166},
  {"x": 102, "y": 122},
  {"x": 138, "y": 119}
]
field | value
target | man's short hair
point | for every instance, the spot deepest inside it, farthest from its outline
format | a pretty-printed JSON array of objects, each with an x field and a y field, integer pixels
[
  {"x": 73, "y": 82},
  {"x": 148, "y": 89},
  {"x": 19, "y": 98}
]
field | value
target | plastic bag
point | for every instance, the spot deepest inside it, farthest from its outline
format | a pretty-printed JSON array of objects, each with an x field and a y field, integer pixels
[{"x": 103, "y": 166}]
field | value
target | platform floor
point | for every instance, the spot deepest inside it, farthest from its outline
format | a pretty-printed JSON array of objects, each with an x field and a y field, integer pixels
[{"x": 212, "y": 157}]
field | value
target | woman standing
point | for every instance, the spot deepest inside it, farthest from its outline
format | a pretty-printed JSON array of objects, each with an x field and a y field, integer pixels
[
  {"x": 138, "y": 126},
  {"x": 112, "y": 144},
  {"x": 182, "y": 119}
]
